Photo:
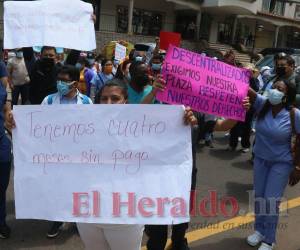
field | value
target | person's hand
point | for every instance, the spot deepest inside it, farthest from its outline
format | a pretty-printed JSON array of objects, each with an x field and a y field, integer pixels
[
  {"x": 159, "y": 84},
  {"x": 93, "y": 17},
  {"x": 246, "y": 103},
  {"x": 9, "y": 121},
  {"x": 189, "y": 118},
  {"x": 294, "y": 177}
]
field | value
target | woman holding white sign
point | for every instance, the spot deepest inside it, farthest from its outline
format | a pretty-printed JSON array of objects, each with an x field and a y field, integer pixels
[
  {"x": 116, "y": 237},
  {"x": 158, "y": 233}
]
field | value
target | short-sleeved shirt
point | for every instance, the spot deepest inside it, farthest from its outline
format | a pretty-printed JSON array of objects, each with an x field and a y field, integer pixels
[
  {"x": 17, "y": 70},
  {"x": 3, "y": 71},
  {"x": 137, "y": 97},
  {"x": 273, "y": 135}
]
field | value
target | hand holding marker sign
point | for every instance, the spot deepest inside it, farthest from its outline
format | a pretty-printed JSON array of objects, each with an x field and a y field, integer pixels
[{"x": 204, "y": 84}]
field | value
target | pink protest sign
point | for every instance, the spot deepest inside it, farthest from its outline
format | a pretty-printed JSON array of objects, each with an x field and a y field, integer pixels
[{"x": 205, "y": 84}]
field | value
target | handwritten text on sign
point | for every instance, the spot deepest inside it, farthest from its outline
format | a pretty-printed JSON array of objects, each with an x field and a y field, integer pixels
[
  {"x": 46, "y": 22},
  {"x": 204, "y": 84},
  {"x": 65, "y": 152}
]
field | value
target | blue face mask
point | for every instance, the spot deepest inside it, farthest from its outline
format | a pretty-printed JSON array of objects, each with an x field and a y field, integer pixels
[
  {"x": 63, "y": 88},
  {"x": 139, "y": 59},
  {"x": 275, "y": 96},
  {"x": 91, "y": 61},
  {"x": 156, "y": 66},
  {"x": 78, "y": 65},
  {"x": 19, "y": 54}
]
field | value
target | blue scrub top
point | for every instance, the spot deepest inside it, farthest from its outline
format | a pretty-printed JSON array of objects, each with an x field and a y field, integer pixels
[
  {"x": 273, "y": 135},
  {"x": 137, "y": 97}
]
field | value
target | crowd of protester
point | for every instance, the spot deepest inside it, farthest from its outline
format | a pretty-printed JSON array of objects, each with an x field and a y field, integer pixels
[{"x": 57, "y": 76}]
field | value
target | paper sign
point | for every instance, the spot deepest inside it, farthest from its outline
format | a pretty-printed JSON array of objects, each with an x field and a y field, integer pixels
[
  {"x": 169, "y": 38},
  {"x": 120, "y": 52},
  {"x": 204, "y": 84},
  {"x": 81, "y": 163},
  {"x": 63, "y": 23}
]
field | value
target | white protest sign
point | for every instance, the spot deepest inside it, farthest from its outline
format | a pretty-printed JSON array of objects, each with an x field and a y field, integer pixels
[
  {"x": 119, "y": 164},
  {"x": 120, "y": 52},
  {"x": 62, "y": 23}
]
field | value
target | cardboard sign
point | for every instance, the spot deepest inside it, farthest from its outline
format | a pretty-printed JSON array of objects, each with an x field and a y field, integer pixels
[
  {"x": 204, "y": 84},
  {"x": 47, "y": 23},
  {"x": 111, "y": 164},
  {"x": 169, "y": 38}
]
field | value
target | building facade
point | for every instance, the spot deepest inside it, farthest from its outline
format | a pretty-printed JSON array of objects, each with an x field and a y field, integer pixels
[{"x": 259, "y": 23}]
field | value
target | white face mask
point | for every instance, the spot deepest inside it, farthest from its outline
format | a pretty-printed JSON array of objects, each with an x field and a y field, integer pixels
[{"x": 275, "y": 96}]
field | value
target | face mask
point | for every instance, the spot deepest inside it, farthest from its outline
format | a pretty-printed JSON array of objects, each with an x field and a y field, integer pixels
[
  {"x": 142, "y": 80},
  {"x": 108, "y": 70},
  {"x": 156, "y": 66},
  {"x": 63, "y": 88},
  {"x": 47, "y": 62},
  {"x": 19, "y": 54},
  {"x": 91, "y": 61},
  {"x": 280, "y": 71},
  {"x": 78, "y": 65},
  {"x": 116, "y": 62},
  {"x": 139, "y": 59},
  {"x": 275, "y": 96}
]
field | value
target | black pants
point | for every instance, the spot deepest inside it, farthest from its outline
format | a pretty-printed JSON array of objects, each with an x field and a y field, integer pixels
[
  {"x": 158, "y": 234},
  {"x": 23, "y": 90},
  {"x": 4, "y": 180},
  {"x": 243, "y": 130}
]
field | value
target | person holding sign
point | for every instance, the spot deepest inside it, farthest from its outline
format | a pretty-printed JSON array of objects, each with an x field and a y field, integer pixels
[
  {"x": 158, "y": 233},
  {"x": 67, "y": 81},
  {"x": 274, "y": 163},
  {"x": 115, "y": 237}
]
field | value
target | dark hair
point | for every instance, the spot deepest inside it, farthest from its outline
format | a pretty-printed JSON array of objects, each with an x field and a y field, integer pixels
[
  {"x": 73, "y": 57},
  {"x": 104, "y": 62},
  {"x": 134, "y": 67},
  {"x": 84, "y": 61},
  {"x": 289, "y": 102},
  {"x": 121, "y": 69},
  {"x": 282, "y": 56},
  {"x": 158, "y": 57},
  {"x": 71, "y": 71},
  {"x": 112, "y": 83},
  {"x": 131, "y": 55},
  {"x": 229, "y": 53},
  {"x": 48, "y": 48}
]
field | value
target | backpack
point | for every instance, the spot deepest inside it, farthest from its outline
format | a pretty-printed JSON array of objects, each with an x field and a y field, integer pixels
[{"x": 84, "y": 101}]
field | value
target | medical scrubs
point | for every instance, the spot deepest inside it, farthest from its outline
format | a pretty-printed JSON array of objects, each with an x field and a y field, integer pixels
[{"x": 273, "y": 164}]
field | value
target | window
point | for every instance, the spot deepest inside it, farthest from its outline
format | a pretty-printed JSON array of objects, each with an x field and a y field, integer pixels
[
  {"x": 274, "y": 7},
  {"x": 144, "y": 22}
]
